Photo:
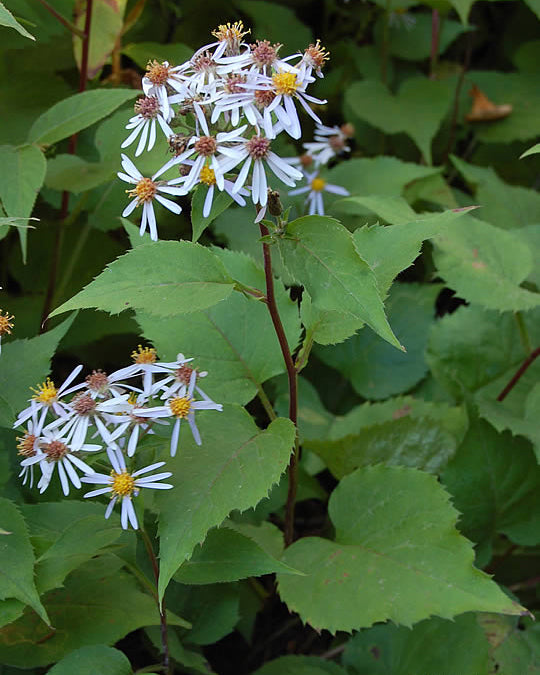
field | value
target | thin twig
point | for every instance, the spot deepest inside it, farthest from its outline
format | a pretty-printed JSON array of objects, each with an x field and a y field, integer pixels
[
  {"x": 71, "y": 27},
  {"x": 293, "y": 388},
  {"x": 519, "y": 372},
  {"x": 435, "y": 30}
]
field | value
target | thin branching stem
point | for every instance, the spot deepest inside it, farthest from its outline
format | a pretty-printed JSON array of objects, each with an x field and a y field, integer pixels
[
  {"x": 71, "y": 27},
  {"x": 293, "y": 388},
  {"x": 519, "y": 372}
]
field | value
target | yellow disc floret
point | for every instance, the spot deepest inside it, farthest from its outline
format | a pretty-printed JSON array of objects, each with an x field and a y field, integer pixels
[
  {"x": 5, "y": 323},
  {"x": 45, "y": 392},
  {"x": 232, "y": 33},
  {"x": 145, "y": 191},
  {"x": 318, "y": 184},
  {"x": 158, "y": 73},
  {"x": 207, "y": 176},
  {"x": 144, "y": 355},
  {"x": 180, "y": 406},
  {"x": 285, "y": 83},
  {"x": 123, "y": 484}
]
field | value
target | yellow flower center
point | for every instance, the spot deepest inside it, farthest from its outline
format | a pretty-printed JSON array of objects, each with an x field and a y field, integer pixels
[
  {"x": 157, "y": 73},
  {"x": 45, "y": 392},
  {"x": 145, "y": 191},
  {"x": 180, "y": 407},
  {"x": 144, "y": 355},
  {"x": 318, "y": 184},
  {"x": 285, "y": 83},
  {"x": 207, "y": 176},
  {"x": 5, "y": 323},
  {"x": 132, "y": 398},
  {"x": 123, "y": 484},
  {"x": 25, "y": 445},
  {"x": 232, "y": 33}
]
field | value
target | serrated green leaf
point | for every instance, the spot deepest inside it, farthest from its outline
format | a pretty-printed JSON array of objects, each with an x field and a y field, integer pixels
[
  {"x": 10, "y": 610},
  {"x": 25, "y": 363},
  {"x": 507, "y": 206},
  {"x": 76, "y": 113},
  {"x": 389, "y": 250},
  {"x": 394, "y": 209},
  {"x": 432, "y": 646},
  {"x": 110, "y": 601},
  {"x": 227, "y": 555},
  {"x": 7, "y": 19},
  {"x": 164, "y": 278},
  {"x": 300, "y": 665},
  {"x": 322, "y": 256},
  {"x": 326, "y": 327},
  {"x": 233, "y": 340},
  {"x": 92, "y": 660},
  {"x": 514, "y": 649},
  {"x": 377, "y": 371},
  {"x": 485, "y": 265},
  {"x": 142, "y": 52},
  {"x": 495, "y": 483},
  {"x": 234, "y": 468},
  {"x": 220, "y": 203},
  {"x": 17, "y": 561},
  {"x": 417, "y": 110},
  {"x": 375, "y": 571}
]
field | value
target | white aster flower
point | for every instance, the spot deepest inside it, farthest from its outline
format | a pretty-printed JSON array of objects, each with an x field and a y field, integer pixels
[
  {"x": 181, "y": 407},
  {"x": 145, "y": 363},
  {"x": 313, "y": 59},
  {"x": 145, "y": 191},
  {"x": 53, "y": 451},
  {"x": 28, "y": 446},
  {"x": 158, "y": 76},
  {"x": 5, "y": 325},
  {"x": 316, "y": 186},
  {"x": 47, "y": 398},
  {"x": 177, "y": 382},
  {"x": 149, "y": 112},
  {"x": 261, "y": 57},
  {"x": 122, "y": 484},
  {"x": 329, "y": 142}
]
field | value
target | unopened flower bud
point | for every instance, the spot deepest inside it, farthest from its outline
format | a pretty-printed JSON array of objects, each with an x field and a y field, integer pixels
[
  {"x": 348, "y": 129},
  {"x": 274, "y": 203}
]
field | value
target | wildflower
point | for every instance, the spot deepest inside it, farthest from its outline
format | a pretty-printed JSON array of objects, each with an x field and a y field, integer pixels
[
  {"x": 181, "y": 407},
  {"x": 207, "y": 177},
  {"x": 156, "y": 80},
  {"x": 179, "y": 378},
  {"x": 314, "y": 58},
  {"x": 5, "y": 325},
  {"x": 145, "y": 191},
  {"x": 53, "y": 450},
  {"x": 316, "y": 186},
  {"x": 148, "y": 111},
  {"x": 329, "y": 142},
  {"x": 122, "y": 484},
  {"x": 28, "y": 446}
]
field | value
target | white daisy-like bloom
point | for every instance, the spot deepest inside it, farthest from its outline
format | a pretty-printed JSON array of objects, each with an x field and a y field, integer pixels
[
  {"x": 102, "y": 385},
  {"x": 145, "y": 191},
  {"x": 314, "y": 59},
  {"x": 177, "y": 382},
  {"x": 256, "y": 151},
  {"x": 5, "y": 325},
  {"x": 145, "y": 363},
  {"x": 261, "y": 57},
  {"x": 329, "y": 142},
  {"x": 315, "y": 187},
  {"x": 124, "y": 485},
  {"x": 28, "y": 446},
  {"x": 206, "y": 148},
  {"x": 53, "y": 451},
  {"x": 84, "y": 410},
  {"x": 47, "y": 398},
  {"x": 181, "y": 407},
  {"x": 149, "y": 112},
  {"x": 154, "y": 83}
]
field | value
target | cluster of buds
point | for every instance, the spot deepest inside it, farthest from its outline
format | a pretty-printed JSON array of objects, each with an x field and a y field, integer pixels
[
  {"x": 109, "y": 412},
  {"x": 232, "y": 99}
]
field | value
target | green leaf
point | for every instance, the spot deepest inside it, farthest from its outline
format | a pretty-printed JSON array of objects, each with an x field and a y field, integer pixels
[
  {"x": 401, "y": 431},
  {"x": 432, "y": 646},
  {"x": 25, "y": 363},
  {"x": 417, "y": 110},
  {"x": 10, "y": 610},
  {"x": 233, "y": 340},
  {"x": 142, "y": 52},
  {"x": 404, "y": 573},
  {"x": 76, "y": 113},
  {"x": 234, "y": 468},
  {"x": 495, "y": 483},
  {"x": 393, "y": 209},
  {"x": 390, "y": 250},
  {"x": 322, "y": 256},
  {"x": 7, "y": 19},
  {"x": 515, "y": 649},
  {"x": 377, "y": 371},
  {"x": 164, "y": 278},
  {"x": 498, "y": 199},
  {"x": 91, "y": 660},
  {"x": 462, "y": 7},
  {"x": 300, "y": 665},
  {"x": 326, "y": 327},
  {"x": 107, "y": 22},
  {"x": 74, "y": 174},
  {"x": 110, "y": 601},
  {"x": 17, "y": 561},
  {"x": 220, "y": 203},
  {"x": 535, "y": 149},
  {"x": 227, "y": 555},
  {"x": 485, "y": 265},
  {"x": 19, "y": 186}
]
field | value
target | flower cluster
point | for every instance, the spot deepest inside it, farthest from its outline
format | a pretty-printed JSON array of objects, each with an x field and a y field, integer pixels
[
  {"x": 5, "y": 325},
  {"x": 231, "y": 99},
  {"x": 109, "y": 412}
]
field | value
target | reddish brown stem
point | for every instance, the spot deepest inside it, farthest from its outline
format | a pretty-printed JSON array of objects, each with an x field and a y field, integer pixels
[
  {"x": 519, "y": 372},
  {"x": 64, "y": 208},
  {"x": 73, "y": 29},
  {"x": 435, "y": 29},
  {"x": 293, "y": 389}
]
